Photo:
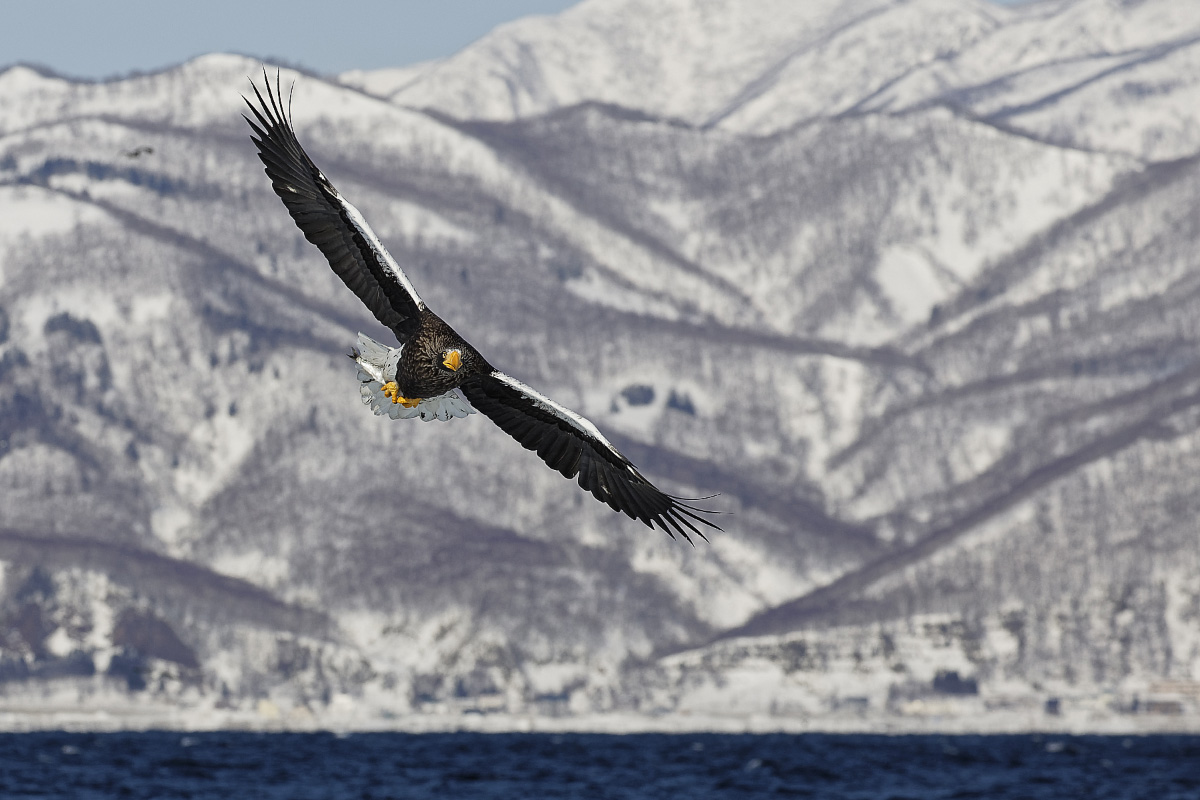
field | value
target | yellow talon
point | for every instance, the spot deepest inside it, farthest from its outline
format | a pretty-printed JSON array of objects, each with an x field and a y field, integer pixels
[{"x": 391, "y": 390}]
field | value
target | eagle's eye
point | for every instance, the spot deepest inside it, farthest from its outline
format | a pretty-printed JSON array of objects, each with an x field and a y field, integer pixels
[{"x": 452, "y": 360}]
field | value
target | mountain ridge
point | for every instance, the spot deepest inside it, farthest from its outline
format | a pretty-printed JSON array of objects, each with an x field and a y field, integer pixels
[{"x": 950, "y": 405}]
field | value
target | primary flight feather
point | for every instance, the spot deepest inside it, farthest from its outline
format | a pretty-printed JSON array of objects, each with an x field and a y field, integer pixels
[{"x": 435, "y": 373}]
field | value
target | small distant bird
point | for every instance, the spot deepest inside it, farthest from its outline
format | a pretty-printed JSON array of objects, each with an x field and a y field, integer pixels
[
  {"x": 435, "y": 373},
  {"x": 138, "y": 152}
]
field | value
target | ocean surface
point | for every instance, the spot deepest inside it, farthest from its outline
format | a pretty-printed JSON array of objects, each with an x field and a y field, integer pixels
[{"x": 468, "y": 765}]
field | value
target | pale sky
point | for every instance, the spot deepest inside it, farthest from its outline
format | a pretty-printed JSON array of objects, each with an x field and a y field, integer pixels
[{"x": 104, "y": 38}]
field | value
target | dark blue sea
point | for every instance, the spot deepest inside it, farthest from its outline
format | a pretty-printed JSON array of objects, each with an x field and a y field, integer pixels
[{"x": 226, "y": 766}]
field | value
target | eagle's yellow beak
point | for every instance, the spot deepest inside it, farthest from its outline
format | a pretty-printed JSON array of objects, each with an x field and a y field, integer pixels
[{"x": 453, "y": 361}]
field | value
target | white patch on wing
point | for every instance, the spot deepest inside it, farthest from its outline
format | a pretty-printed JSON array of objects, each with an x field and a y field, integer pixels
[
  {"x": 377, "y": 366},
  {"x": 381, "y": 253},
  {"x": 576, "y": 421}
]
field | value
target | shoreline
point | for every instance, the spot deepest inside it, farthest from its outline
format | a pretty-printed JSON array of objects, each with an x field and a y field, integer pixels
[{"x": 114, "y": 720}]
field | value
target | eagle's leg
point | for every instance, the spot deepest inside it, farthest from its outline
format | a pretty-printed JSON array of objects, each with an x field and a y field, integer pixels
[{"x": 390, "y": 389}]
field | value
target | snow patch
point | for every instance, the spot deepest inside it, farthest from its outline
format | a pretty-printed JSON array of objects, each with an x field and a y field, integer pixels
[
  {"x": 912, "y": 285},
  {"x": 34, "y": 211}
]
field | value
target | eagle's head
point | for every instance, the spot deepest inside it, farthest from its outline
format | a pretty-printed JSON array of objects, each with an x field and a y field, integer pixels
[
  {"x": 441, "y": 359},
  {"x": 452, "y": 359},
  {"x": 456, "y": 360}
]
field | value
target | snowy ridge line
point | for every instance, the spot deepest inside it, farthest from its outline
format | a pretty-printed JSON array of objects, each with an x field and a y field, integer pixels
[
  {"x": 960, "y": 98},
  {"x": 1156, "y": 53},
  {"x": 156, "y": 127},
  {"x": 1000, "y": 126},
  {"x": 609, "y": 108},
  {"x": 1126, "y": 190},
  {"x": 1060, "y": 369},
  {"x": 758, "y": 86},
  {"x": 155, "y": 573},
  {"x": 641, "y": 239},
  {"x": 182, "y": 240},
  {"x": 797, "y": 345},
  {"x": 822, "y": 605}
]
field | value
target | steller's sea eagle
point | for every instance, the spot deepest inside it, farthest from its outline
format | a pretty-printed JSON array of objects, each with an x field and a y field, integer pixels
[{"x": 435, "y": 373}]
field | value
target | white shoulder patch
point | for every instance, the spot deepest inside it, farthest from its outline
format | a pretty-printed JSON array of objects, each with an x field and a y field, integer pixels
[
  {"x": 377, "y": 365},
  {"x": 577, "y": 421},
  {"x": 381, "y": 253}
]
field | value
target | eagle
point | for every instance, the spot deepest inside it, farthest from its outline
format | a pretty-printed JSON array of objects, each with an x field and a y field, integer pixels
[{"x": 435, "y": 373}]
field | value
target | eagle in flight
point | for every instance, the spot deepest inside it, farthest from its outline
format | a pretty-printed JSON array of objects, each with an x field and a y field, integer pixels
[{"x": 435, "y": 373}]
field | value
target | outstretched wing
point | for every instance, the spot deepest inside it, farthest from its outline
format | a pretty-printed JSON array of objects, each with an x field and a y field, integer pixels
[
  {"x": 328, "y": 221},
  {"x": 573, "y": 446}
]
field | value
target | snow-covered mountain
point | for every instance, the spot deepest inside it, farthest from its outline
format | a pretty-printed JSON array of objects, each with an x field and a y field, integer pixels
[{"x": 913, "y": 285}]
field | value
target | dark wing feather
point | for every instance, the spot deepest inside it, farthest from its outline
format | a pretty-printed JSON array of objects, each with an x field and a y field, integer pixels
[
  {"x": 573, "y": 446},
  {"x": 329, "y": 222}
]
